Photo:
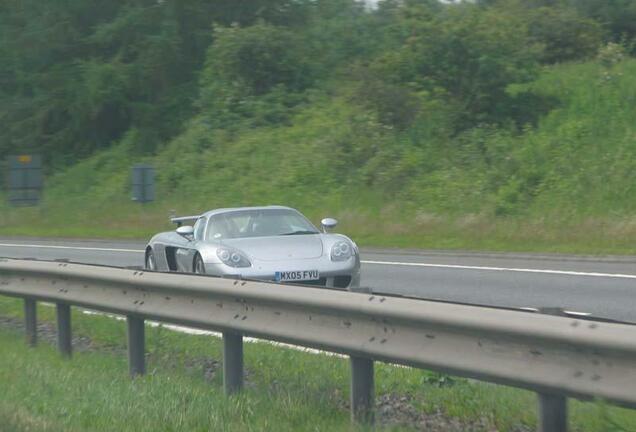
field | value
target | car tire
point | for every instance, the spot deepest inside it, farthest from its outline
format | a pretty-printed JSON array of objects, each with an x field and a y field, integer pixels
[
  {"x": 150, "y": 263},
  {"x": 198, "y": 266}
]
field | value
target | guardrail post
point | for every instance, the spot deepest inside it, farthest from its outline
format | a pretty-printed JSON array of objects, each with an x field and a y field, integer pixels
[
  {"x": 30, "y": 321},
  {"x": 63, "y": 313},
  {"x": 552, "y": 407},
  {"x": 362, "y": 390},
  {"x": 136, "y": 345},
  {"x": 552, "y": 413},
  {"x": 362, "y": 383},
  {"x": 232, "y": 362}
]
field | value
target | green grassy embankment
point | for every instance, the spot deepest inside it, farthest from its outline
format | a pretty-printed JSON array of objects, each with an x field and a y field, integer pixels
[
  {"x": 567, "y": 184},
  {"x": 285, "y": 389}
]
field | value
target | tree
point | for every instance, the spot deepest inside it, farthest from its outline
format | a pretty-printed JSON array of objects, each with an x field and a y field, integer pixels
[
  {"x": 565, "y": 34},
  {"x": 250, "y": 70},
  {"x": 472, "y": 53},
  {"x": 618, "y": 17}
]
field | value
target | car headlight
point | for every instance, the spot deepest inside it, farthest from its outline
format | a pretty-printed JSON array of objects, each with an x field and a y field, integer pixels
[
  {"x": 341, "y": 251},
  {"x": 232, "y": 258}
]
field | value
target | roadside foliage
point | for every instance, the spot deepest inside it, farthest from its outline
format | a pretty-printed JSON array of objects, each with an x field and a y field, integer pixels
[{"x": 436, "y": 116}]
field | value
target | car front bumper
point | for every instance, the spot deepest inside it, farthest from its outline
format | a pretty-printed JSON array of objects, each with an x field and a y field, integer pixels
[{"x": 344, "y": 274}]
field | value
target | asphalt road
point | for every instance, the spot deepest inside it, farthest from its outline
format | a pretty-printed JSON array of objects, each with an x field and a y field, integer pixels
[{"x": 604, "y": 287}]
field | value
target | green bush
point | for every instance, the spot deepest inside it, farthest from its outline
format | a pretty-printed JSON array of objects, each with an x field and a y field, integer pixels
[
  {"x": 470, "y": 53},
  {"x": 565, "y": 34}
]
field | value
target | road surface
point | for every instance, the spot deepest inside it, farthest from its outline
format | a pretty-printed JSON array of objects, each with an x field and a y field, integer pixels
[{"x": 602, "y": 286}]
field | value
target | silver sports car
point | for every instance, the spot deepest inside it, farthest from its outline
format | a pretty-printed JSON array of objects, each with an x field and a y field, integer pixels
[{"x": 272, "y": 243}]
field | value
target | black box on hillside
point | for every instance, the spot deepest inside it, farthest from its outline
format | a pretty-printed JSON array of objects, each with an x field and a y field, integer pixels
[
  {"x": 24, "y": 179},
  {"x": 143, "y": 183}
]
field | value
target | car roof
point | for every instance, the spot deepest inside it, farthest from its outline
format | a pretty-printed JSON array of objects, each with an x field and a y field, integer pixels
[{"x": 233, "y": 209}]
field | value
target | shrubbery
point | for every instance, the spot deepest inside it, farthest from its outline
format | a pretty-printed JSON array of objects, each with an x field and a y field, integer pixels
[{"x": 489, "y": 107}]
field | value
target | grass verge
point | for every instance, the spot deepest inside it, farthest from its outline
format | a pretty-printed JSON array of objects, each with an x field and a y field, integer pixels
[
  {"x": 285, "y": 389},
  {"x": 382, "y": 227}
]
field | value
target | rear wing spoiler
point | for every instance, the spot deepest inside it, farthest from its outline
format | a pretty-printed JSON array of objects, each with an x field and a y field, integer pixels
[{"x": 181, "y": 219}]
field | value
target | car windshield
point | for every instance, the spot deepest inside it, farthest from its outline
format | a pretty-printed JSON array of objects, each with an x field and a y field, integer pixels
[{"x": 258, "y": 223}]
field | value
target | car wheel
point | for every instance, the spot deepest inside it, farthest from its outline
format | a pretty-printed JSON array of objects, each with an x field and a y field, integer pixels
[
  {"x": 150, "y": 261},
  {"x": 199, "y": 266}
]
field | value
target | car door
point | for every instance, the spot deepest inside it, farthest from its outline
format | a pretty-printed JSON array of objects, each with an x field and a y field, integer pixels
[{"x": 185, "y": 254}]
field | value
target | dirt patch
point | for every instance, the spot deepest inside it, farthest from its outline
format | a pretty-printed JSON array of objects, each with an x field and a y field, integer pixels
[
  {"x": 47, "y": 332},
  {"x": 399, "y": 410},
  {"x": 211, "y": 368}
]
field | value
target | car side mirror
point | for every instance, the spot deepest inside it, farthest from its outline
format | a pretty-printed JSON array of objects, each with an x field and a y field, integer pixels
[
  {"x": 186, "y": 231},
  {"x": 328, "y": 224}
]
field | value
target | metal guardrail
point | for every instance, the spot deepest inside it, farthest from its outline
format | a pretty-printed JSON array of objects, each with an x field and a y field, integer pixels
[{"x": 557, "y": 357}]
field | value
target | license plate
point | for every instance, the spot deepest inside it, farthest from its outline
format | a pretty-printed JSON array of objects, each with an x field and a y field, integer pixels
[{"x": 302, "y": 275}]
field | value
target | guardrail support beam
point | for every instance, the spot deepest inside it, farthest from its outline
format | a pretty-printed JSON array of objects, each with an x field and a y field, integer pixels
[
  {"x": 63, "y": 314},
  {"x": 136, "y": 345},
  {"x": 552, "y": 413},
  {"x": 232, "y": 362},
  {"x": 30, "y": 321},
  {"x": 362, "y": 390}
]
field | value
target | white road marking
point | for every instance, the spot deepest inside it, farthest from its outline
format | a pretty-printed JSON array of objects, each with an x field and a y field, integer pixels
[
  {"x": 390, "y": 263},
  {"x": 69, "y": 247},
  {"x": 199, "y": 332},
  {"x": 583, "y": 314},
  {"x": 522, "y": 270}
]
